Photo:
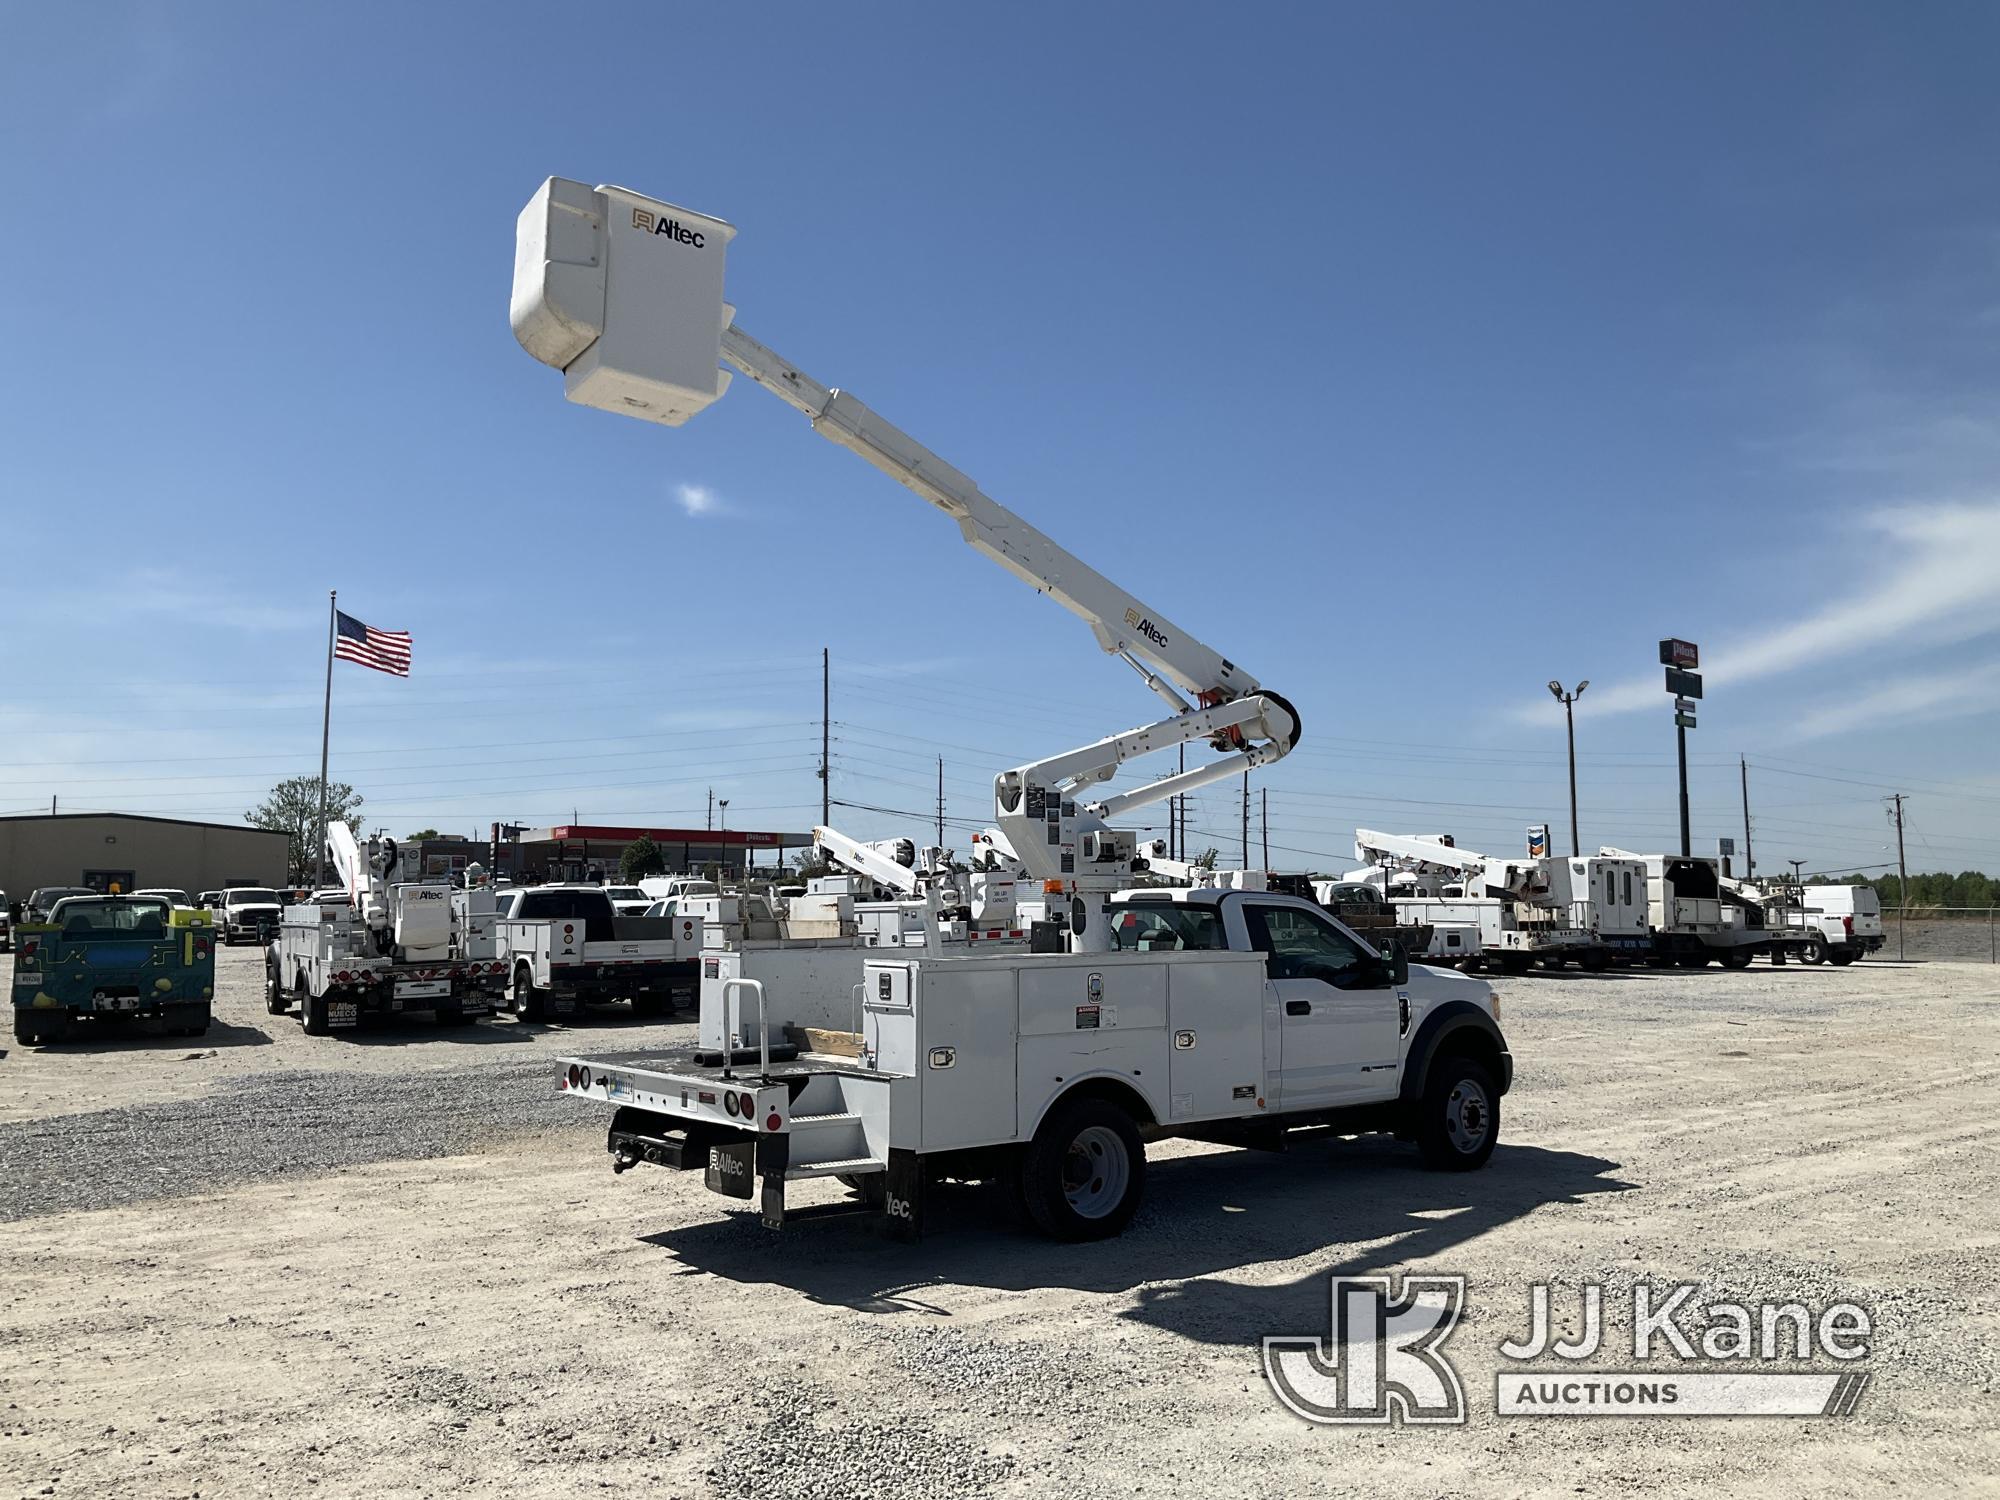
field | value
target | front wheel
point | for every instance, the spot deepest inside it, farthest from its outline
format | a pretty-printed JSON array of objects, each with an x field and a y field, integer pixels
[
  {"x": 1814, "y": 952},
  {"x": 1458, "y": 1120},
  {"x": 1084, "y": 1173}
]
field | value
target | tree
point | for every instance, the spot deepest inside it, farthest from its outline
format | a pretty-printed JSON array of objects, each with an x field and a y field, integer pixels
[
  {"x": 1207, "y": 859},
  {"x": 292, "y": 808},
  {"x": 421, "y": 834},
  {"x": 641, "y": 860}
]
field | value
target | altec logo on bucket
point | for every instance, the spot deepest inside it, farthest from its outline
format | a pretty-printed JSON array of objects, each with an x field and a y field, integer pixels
[{"x": 673, "y": 229}]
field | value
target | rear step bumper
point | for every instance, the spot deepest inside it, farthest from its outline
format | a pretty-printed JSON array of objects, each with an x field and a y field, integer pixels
[{"x": 733, "y": 1166}]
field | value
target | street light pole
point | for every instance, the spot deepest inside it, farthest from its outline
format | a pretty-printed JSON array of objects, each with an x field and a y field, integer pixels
[{"x": 1568, "y": 701}]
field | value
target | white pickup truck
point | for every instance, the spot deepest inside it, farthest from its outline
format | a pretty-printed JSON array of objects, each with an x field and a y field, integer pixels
[
  {"x": 1846, "y": 920},
  {"x": 1238, "y": 1017},
  {"x": 564, "y": 946}
]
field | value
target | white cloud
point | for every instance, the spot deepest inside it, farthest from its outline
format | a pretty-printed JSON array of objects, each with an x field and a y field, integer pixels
[
  {"x": 699, "y": 500},
  {"x": 1910, "y": 700},
  {"x": 1935, "y": 579}
]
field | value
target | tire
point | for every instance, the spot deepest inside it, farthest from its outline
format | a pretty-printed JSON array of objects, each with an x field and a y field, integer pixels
[
  {"x": 1815, "y": 951},
  {"x": 1458, "y": 1120},
  {"x": 1693, "y": 960},
  {"x": 652, "y": 1005},
  {"x": 276, "y": 1001},
  {"x": 1596, "y": 960},
  {"x": 1737, "y": 958},
  {"x": 1840, "y": 958},
  {"x": 1084, "y": 1173},
  {"x": 529, "y": 1002},
  {"x": 189, "y": 1020},
  {"x": 33, "y": 1028},
  {"x": 312, "y": 1014}
]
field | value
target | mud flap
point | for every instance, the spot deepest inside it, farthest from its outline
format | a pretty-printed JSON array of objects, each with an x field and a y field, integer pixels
[
  {"x": 774, "y": 1155},
  {"x": 903, "y": 1197}
]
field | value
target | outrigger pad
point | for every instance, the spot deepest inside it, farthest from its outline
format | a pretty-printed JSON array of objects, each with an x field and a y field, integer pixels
[{"x": 903, "y": 1198}]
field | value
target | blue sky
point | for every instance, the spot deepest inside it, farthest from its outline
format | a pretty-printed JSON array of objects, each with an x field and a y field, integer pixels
[{"x": 1411, "y": 356}]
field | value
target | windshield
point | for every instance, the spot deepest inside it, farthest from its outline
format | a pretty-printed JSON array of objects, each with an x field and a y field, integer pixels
[
  {"x": 626, "y": 893},
  {"x": 81, "y": 916},
  {"x": 177, "y": 898},
  {"x": 49, "y": 895},
  {"x": 247, "y": 896}
]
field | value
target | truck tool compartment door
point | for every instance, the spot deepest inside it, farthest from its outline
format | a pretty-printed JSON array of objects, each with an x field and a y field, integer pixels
[{"x": 1339, "y": 1022}]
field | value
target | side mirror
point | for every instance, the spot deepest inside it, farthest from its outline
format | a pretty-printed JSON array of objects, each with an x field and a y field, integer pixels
[{"x": 1398, "y": 962}]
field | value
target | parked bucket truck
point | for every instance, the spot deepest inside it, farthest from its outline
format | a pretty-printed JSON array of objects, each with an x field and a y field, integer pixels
[{"x": 1235, "y": 1016}]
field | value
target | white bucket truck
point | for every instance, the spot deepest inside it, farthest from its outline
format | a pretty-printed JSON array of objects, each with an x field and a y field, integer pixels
[
  {"x": 388, "y": 940},
  {"x": 1226, "y": 1015}
]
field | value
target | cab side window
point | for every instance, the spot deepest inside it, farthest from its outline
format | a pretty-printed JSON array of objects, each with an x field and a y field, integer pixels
[{"x": 1298, "y": 945}]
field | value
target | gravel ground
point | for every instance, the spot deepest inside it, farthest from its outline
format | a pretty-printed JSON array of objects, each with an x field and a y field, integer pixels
[{"x": 398, "y": 1265}]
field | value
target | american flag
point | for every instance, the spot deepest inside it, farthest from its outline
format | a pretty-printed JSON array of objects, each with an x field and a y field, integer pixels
[{"x": 384, "y": 650}]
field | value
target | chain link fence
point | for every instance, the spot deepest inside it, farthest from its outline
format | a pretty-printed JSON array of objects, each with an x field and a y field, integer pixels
[{"x": 1943, "y": 934}]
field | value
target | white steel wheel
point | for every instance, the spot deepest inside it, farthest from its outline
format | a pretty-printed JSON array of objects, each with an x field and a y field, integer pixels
[{"x": 1084, "y": 1173}]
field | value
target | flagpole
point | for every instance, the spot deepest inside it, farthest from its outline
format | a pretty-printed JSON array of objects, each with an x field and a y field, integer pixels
[{"x": 325, "y": 731}]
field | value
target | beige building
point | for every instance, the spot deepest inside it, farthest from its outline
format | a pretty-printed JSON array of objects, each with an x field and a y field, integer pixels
[{"x": 133, "y": 851}]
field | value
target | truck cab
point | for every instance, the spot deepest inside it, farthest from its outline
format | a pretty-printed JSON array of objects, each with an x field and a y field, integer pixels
[{"x": 249, "y": 914}]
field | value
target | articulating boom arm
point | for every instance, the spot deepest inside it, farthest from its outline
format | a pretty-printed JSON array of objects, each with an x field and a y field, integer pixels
[
  {"x": 624, "y": 295},
  {"x": 1163, "y": 653}
]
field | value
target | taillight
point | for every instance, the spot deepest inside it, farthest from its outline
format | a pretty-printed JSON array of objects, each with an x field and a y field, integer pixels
[
  {"x": 568, "y": 932},
  {"x": 746, "y": 1106},
  {"x": 773, "y": 1122},
  {"x": 574, "y": 1075},
  {"x": 729, "y": 1104},
  {"x": 201, "y": 948},
  {"x": 1847, "y": 923}
]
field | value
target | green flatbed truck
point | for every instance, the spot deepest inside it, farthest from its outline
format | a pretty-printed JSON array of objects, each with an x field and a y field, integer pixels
[{"x": 112, "y": 958}]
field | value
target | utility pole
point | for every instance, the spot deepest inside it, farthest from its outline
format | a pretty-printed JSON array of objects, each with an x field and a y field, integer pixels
[
  {"x": 1568, "y": 701},
  {"x": 1681, "y": 739},
  {"x": 1749, "y": 864},
  {"x": 825, "y": 735},
  {"x": 1246, "y": 817},
  {"x": 1902, "y": 881},
  {"x": 940, "y": 807},
  {"x": 708, "y": 818},
  {"x": 1177, "y": 819},
  {"x": 1264, "y": 794}
]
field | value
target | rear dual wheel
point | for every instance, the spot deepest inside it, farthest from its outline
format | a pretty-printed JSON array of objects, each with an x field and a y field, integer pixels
[
  {"x": 1737, "y": 958},
  {"x": 530, "y": 1004},
  {"x": 39, "y": 1028},
  {"x": 1084, "y": 1173}
]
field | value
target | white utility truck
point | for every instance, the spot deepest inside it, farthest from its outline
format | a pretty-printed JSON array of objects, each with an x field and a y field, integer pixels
[
  {"x": 1509, "y": 901},
  {"x": 388, "y": 940},
  {"x": 1695, "y": 914},
  {"x": 563, "y": 947},
  {"x": 1225, "y": 1015}
]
